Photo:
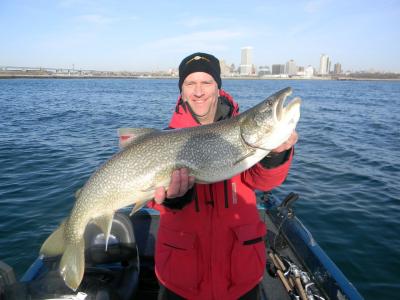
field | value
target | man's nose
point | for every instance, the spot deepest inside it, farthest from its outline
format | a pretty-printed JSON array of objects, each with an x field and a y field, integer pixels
[{"x": 198, "y": 90}]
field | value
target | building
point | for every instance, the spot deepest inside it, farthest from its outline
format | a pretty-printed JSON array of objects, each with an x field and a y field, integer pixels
[
  {"x": 324, "y": 65},
  {"x": 291, "y": 68},
  {"x": 337, "y": 69},
  {"x": 246, "y": 63},
  {"x": 233, "y": 68},
  {"x": 309, "y": 72},
  {"x": 278, "y": 69},
  {"x": 264, "y": 70},
  {"x": 225, "y": 68},
  {"x": 300, "y": 71}
]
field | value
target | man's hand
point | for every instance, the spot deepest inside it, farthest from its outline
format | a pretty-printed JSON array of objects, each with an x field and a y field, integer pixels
[
  {"x": 288, "y": 144},
  {"x": 181, "y": 182}
]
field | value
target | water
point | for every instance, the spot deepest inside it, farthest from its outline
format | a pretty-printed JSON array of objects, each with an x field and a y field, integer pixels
[{"x": 54, "y": 133}]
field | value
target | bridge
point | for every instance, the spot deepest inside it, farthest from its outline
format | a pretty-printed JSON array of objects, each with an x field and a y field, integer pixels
[{"x": 44, "y": 69}]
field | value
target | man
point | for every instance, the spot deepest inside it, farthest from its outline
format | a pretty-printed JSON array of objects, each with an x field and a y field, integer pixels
[{"x": 210, "y": 239}]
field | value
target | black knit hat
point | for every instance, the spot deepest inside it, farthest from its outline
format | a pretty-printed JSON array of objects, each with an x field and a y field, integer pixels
[{"x": 200, "y": 62}]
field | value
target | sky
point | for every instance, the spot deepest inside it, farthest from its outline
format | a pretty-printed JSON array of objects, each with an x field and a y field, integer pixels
[{"x": 151, "y": 35}]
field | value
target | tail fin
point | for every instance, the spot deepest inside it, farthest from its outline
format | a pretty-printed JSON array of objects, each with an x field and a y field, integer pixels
[
  {"x": 72, "y": 265},
  {"x": 55, "y": 243}
]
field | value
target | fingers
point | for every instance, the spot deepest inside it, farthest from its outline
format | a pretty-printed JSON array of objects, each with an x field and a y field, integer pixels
[
  {"x": 180, "y": 183},
  {"x": 159, "y": 195},
  {"x": 291, "y": 141},
  {"x": 191, "y": 182}
]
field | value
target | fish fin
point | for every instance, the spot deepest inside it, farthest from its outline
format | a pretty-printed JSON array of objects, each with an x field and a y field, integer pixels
[
  {"x": 244, "y": 157},
  {"x": 72, "y": 264},
  {"x": 54, "y": 245},
  {"x": 77, "y": 193},
  {"x": 105, "y": 223},
  {"x": 149, "y": 189},
  {"x": 138, "y": 205},
  {"x": 161, "y": 181},
  {"x": 128, "y": 135}
]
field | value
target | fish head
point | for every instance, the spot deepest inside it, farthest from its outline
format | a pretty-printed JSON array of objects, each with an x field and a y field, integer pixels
[{"x": 270, "y": 123}]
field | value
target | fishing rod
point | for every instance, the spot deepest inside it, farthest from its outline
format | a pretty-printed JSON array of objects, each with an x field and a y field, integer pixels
[{"x": 296, "y": 281}]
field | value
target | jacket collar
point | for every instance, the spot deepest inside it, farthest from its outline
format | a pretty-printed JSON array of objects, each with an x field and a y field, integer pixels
[{"x": 183, "y": 117}]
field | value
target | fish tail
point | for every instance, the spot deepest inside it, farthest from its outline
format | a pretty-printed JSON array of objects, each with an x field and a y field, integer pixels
[
  {"x": 55, "y": 243},
  {"x": 72, "y": 264}
]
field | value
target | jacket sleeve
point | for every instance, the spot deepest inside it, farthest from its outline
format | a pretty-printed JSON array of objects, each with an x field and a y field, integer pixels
[
  {"x": 179, "y": 202},
  {"x": 266, "y": 174},
  {"x": 173, "y": 203}
]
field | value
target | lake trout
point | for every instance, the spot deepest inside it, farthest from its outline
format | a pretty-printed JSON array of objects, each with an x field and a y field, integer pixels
[{"x": 211, "y": 153}]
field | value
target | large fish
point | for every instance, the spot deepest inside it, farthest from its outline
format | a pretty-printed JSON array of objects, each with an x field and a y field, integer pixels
[{"x": 211, "y": 153}]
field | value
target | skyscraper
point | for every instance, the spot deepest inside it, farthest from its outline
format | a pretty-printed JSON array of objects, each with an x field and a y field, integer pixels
[
  {"x": 324, "y": 65},
  {"x": 225, "y": 69},
  {"x": 337, "y": 69},
  {"x": 278, "y": 69},
  {"x": 246, "y": 64},
  {"x": 291, "y": 68}
]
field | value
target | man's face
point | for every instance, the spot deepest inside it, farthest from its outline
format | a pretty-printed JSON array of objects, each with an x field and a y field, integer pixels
[{"x": 200, "y": 90}]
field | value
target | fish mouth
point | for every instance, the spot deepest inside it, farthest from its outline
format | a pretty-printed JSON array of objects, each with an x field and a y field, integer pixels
[{"x": 290, "y": 113}]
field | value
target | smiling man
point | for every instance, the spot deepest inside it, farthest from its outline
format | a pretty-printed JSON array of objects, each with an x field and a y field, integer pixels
[
  {"x": 210, "y": 239},
  {"x": 200, "y": 90},
  {"x": 200, "y": 87}
]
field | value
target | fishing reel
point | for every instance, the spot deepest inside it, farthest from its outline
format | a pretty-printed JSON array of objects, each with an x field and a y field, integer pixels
[
  {"x": 297, "y": 282},
  {"x": 285, "y": 209}
]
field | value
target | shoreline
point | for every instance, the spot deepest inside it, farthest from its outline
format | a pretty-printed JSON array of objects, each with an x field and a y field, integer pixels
[{"x": 47, "y": 76}]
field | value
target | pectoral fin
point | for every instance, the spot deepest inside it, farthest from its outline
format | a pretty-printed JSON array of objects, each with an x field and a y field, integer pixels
[
  {"x": 105, "y": 223},
  {"x": 138, "y": 205},
  {"x": 148, "y": 189}
]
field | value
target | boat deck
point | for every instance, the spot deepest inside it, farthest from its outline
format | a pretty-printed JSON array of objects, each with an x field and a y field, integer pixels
[{"x": 126, "y": 270}]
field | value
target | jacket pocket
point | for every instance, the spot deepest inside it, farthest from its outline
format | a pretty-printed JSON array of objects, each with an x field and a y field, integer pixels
[
  {"x": 248, "y": 257},
  {"x": 177, "y": 259}
]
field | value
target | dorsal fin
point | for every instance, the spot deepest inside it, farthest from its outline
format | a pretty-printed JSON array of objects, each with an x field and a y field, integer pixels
[
  {"x": 78, "y": 192},
  {"x": 127, "y": 135}
]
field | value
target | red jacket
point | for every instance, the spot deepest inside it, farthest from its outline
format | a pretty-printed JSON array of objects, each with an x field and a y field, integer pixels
[{"x": 213, "y": 247}]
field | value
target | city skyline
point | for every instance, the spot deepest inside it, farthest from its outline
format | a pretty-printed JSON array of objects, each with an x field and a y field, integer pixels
[
  {"x": 144, "y": 36},
  {"x": 245, "y": 68},
  {"x": 290, "y": 68}
]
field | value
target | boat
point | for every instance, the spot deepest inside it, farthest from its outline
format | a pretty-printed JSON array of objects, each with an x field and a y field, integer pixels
[{"x": 297, "y": 266}]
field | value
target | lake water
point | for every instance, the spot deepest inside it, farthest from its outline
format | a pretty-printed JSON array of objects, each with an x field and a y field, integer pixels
[{"x": 54, "y": 133}]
